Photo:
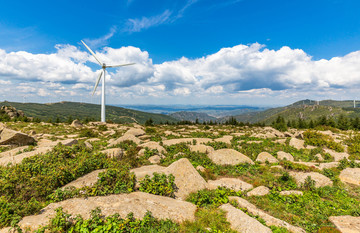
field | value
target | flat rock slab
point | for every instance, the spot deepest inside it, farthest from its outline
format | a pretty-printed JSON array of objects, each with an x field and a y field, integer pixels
[
  {"x": 291, "y": 192},
  {"x": 49, "y": 143},
  {"x": 337, "y": 155},
  {"x": 230, "y": 183},
  {"x": 16, "y": 159},
  {"x": 87, "y": 180},
  {"x": 265, "y": 156},
  {"x": 229, "y": 157},
  {"x": 242, "y": 222},
  {"x": 226, "y": 139},
  {"x": 346, "y": 224},
  {"x": 259, "y": 191},
  {"x": 320, "y": 180},
  {"x": 270, "y": 220},
  {"x": 350, "y": 176},
  {"x": 138, "y": 203},
  {"x": 13, "y": 152},
  {"x": 186, "y": 140}
]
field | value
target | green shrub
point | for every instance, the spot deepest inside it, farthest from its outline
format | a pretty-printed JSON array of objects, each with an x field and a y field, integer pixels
[
  {"x": 213, "y": 198},
  {"x": 102, "y": 128},
  {"x": 318, "y": 139},
  {"x": 159, "y": 184},
  {"x": 62, "y": 222},
  {"x": 89, "y": 133}
]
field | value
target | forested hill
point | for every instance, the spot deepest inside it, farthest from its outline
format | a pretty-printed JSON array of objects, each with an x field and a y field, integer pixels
[{"x": 82, "y": 111}]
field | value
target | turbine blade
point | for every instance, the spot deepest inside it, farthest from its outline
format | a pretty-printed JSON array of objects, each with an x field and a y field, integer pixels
[
  {"x": 121, "y": 65},
  {"x": 97, "y": 82},
  {"x": 92, "y": 53}
]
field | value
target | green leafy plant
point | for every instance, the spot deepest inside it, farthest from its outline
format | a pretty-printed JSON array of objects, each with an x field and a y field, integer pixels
[
  {"x": 214, "y": 198},
  {"x": 159, "y": 184}
]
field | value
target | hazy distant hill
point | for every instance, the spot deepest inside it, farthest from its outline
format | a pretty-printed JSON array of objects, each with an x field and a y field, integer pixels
[
  {"x": 192, "y": 116},
  {"x": 305, "y": 109},
  {"x": 83, "y": 110}
]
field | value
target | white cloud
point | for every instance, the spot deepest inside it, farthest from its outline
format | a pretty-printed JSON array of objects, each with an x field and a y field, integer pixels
[
  {"x": 95, "y": 43},
  {"x": 240, "y": 72},
  {"x": 136, "y": 25}
]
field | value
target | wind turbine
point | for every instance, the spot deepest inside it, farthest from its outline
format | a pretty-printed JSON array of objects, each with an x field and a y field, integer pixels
[{"x": 103, "y": 66}]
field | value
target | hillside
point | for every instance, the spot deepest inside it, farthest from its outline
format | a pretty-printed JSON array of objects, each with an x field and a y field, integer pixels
[
  {"x": 304, "y": 109},
  {"x": 226, "y": 178},
  {"x": 64, "y": 110},
  {"x": 192, "y": 116}
]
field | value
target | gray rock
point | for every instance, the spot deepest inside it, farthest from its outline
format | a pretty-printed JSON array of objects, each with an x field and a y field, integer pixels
[
  {"x": 141, "y": 172},
  {"x": 259, "y": 191},
  {"x": 135, "y": 132},
  {"x": 114, "y": 153},
  {"x": 346, "y": 224},
  {"x": 125, "y": 137},
  {"x": 229, "y": 157},
  {"x": 87, "y": 180},
  {"x": 297, "y": 143},
  {"x": 155, "y": 159},
  {"x": 337, "y": 155},
  {"x": 230, "y": 183},
  {"x": 270, "y": 220},
  {"x": 138, "y": 203},
  {"x": 201, "y": 148},
  {"x": 291, "y": 192},
  {"x": 242, "y": 222},
  {"x": 265, "y": 156},
  {"x": 284, "y": 156},
  {"x": 350, "y": 176},
  {"x": 320, "y": 180},
  {"x": 12, "y": 137},
  {"x": 153, "y": 146},
  {"x": 76, "y": 124}
]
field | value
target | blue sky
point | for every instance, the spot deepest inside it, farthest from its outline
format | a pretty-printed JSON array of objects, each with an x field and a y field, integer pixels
[{"x": 191, "y": 51}]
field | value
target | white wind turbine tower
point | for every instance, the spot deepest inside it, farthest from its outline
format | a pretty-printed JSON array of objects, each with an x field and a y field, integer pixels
[{"x": 103, "y": 66}]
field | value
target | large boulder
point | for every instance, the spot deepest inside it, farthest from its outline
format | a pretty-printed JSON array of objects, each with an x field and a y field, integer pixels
[
  {"x": 337, "y": 155},
  {"x": 114, "y": 152},
  {"x": 320, "y": 180},
  {"x": 269, "y": 220},
  {"x": 137, "y": 203},
  {"x": 87, "y": 180},
  {"x": 284, "y": 156},
  {"x": 153, "y": 146},
  {"x": 229, "y": 157},
  {"x": 187, "y": 178},
  {"x": 12, "y": 137},
  {"x": 259, "y": 191},
  {"x": 141, "y": 172},
  {"x": 350, "y": 176},
  {"x": 125, "y": 137},
  {"x": 265, "y": 156},
  {"x": 201, "y": 148},
  {"x": 346, "y": 224},
  {"x": 297, "y": 143},
  {"x": 242, "y": 222},
  {"x": 230, "y": 183},
  {"x": 76, "y": 124},
  {"x": 135, "y": 131}
]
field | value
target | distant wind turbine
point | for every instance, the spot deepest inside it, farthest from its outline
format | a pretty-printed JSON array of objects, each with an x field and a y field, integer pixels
[{"x": 103, "y": 66}]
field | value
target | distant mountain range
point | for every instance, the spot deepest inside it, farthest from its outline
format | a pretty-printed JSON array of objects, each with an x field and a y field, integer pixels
[{"x": 305, "y": 109}]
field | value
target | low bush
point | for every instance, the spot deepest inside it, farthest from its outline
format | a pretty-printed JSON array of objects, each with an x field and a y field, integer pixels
[
  {"x": 318, "y": 139},
  {"x": 212, "y": 198},
  {"x": 159, "y": 184}
]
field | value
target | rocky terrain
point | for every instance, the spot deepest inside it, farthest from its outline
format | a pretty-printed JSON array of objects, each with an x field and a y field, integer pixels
[{"x": 197, "y": 178}]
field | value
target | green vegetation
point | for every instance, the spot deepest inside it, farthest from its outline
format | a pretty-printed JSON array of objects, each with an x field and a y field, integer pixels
[
  {"x": 212, "y": 198},
  {"x": 318, "y": 139},
  {"x": 114, "y": 223},
  {"x": 159, "y": 184},
  {"x": 67, "y": 111}
]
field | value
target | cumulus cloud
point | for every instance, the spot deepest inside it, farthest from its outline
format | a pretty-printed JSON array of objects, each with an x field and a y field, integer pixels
[{"x": 243, "y": 71}]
